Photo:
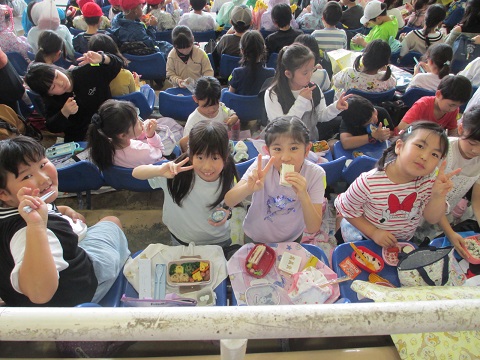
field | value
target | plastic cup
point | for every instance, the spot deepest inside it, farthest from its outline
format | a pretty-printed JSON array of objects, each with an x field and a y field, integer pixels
[{"x": 233, "y": 349}]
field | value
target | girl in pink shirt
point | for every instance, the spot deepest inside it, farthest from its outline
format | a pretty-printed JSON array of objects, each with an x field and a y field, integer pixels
[{"x": 113, "y": 133}]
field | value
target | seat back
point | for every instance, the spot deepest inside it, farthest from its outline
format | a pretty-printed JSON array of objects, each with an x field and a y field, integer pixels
[
  {"x": 375, "y": 97},
  {"x": 357, "y": 166},
  {"x": 18, "y": 62},
  {"x": 37, "y": 102},
  {"x": 227, "y": 64},
  {"x": 178, "y": 91},
  {"x": 272, "y": 60},
  {"x": 74, "y": 31},
  {"x": 265, "y": 32},
  {"x": 204, "y": 36},
  {"x": 413, "y": 94},
  {"x": 151, "y": 67},
  {"x": 409, "y": 59},
  {"x": 140, "y": 101},
  {"x": 243, "y": 166},
  {"x": 317, "y": 252},
  {"x": 176, "y": 107},
  {"x": 121, "y": 178},
  {"x": 329, "y": 96},
  {"x": 247, "y": 107},
  {"x": 165, "y": 35},
  {"x": 78, "y": 177},
  {"x": 333, "y": 169}
]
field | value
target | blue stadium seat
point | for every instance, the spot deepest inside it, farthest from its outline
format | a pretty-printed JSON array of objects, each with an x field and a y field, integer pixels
[
  {"x": 375, "y": 97},
  {"x": 151, "y": 67},
  {"x": 333, "y": 169},
  {"x": 247, "y": 107},
  {"x": 227, "y": 64},
  {"x": 176, "y": 107}
]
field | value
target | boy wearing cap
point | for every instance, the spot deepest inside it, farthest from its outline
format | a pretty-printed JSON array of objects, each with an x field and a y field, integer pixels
[
  {"x": 95, "y": 15},
  {"x": 352, "y": 15},
  {"x": 383, "y": 26},
  {"x": 197, "y": 19},
  {"x": 241, "y": 18},
  {"x": 92, "y": 17},
  {"x": 223, "y": 16}
]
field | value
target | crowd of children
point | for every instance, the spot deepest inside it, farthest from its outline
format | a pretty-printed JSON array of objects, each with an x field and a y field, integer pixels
[{"x": 420, "y": 163}]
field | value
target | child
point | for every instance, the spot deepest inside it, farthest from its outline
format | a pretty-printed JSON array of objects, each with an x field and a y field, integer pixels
[
  {"x": 352, "y": 14},
  {"x": 241, "y": 18},
  {"x": 186, "y": 60},
  {"x": 292, "y": 92},
  {"x": 207, "y": 95},
  {"x": 436, "y": 67},
  {"x": 125, "y": 82},
  {"x": 320, "y": 76},
  {"x": 249, "y": 78},
  {"x": 49, "y": 256},
  {"x": 386, "y": 204},
  {"x": 224, "y": 15},
  {"x": 392, "y": 9},
  {"x": 453, "y": 91},
  {"x": 191, "y": 197},
  {"x": 370, "y": 71},
  {"x": 113, "y": 133},
  {"x": 463, "y": 153},
  {"x": 267, "y": 21},
  {"x": 360, "y": 114},
  {"x": 416, "y": 19},
  {"x": 9, "y": 41},
  {"x": 285, "y": 35},
  {"x": 383, "y": 26},
  {"x": 420, "y": 40},
  {"x": 92, "y": 15},
  {"x": 280, "y": 212},
  {"x": 166, "y": 20},
  {"x": 197, "y": 19},
  {"x": 71, "y": 97},
  {"x": 50, "y": 47},
  {"x": 330, "y": 38},
  {"x": 470, "y": 23},
  {"x": 311, "y": 16}
]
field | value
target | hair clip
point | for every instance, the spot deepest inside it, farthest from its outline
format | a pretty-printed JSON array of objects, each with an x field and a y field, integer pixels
[
  {"x": 409, "y": 129},
  {"x": 446, "y": 63}
]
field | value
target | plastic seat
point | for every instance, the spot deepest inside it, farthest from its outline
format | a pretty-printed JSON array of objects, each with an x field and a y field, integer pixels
[
  {"x": 106, "y": 10},
  {"x": 227, "y": 64},
  {"x": 413, "y": 94},
  {"x": 178, "y": 91},
  {"x": 143, "y": 100},
  {"x": 79, "y": 177},
  {"x": 317, "y": 252},
  {"x": 272, "y": 60},
  {"x": 372, "y": 150},
  {"x": 204, "y": 36},
  {"x": 165, "y": 35},
  {"x": 243, "y": 166},
  {"x": 151, "y": 67},
  {"x": 357, "y": 166},
  {"x": 409, "y": 59},
  {"x": 176, "y": 107},
  {"x": 74, "y": 31},
  {"x": 18, "y": 62},
  {"x": 333, "y": 169},
  {"x": 247, "y": 107},
  {"x": 121, "y": 178},
  {"x": 113, "y": 296},
  {"x": 265, "y": 32},
  {"x": 329, "y": 96},
  {"x": 375, "y": 97}
]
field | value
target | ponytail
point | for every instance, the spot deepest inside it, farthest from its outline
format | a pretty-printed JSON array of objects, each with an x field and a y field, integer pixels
[
  {"x": 388, "y": 73},
  {"x": 40, "y": 55},
  {"x": 435, "y": 15},
  {"x": 102, "y": 149},
  {"x": 441, "y": 55},
  {"x": 357, "y": 63}
]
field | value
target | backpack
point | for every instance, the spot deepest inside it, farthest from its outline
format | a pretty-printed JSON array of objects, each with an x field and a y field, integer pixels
[
  {"x": 464, "y": 51},
  {"x": 12, "y": 124},
  {"x": 136, "y": 48}
]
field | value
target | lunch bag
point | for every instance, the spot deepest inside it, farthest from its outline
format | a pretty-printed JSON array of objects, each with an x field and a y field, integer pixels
[
  {"x": 12, "y": 124},
  {"x": 430, "y": 267}
]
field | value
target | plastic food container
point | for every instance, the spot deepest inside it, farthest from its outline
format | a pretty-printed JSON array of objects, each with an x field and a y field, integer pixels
[
  {"x": 472, "y": 247},
  {"x": 62, "y": 150},
  {"x": 262, "y": 294},
  {"x": 390, "y": 255},
  {"x": 373, "y": 258},
  {"x": 189, "y": 272},
  {"x": 259, "y": 267}
]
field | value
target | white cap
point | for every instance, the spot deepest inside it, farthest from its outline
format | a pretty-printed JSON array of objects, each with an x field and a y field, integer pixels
[{"x": 372, "y": 10}]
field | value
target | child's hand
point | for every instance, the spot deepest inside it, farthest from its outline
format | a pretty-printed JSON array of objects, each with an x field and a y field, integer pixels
[
  {"x": 402, "y": 36},
  {"x": 458, "y": 241},
  {"x": 299, "y": 183},
  {"x": 232, "y": 120},
  {"x": 90, "y": 57},
  {"x": 382, "y": 133},
  {"x": 306, "y": 92},
  {"x": 257, "y": 177},
  {"x": 152, "y": 21},
  {"x": 72, "y": 214},
  {"x": 29, "y": 197},
  {"x": 70, "y": 107},
  {"x": 342, "y": 103},
  {"x": 136, "y": 78},
  {"x": 384, "y": 238},
  {"x": 149, "y": 127},
  {"x": 173, "y": 169},
  {"x": 181, "y": 84},
  {"x": 443, "y": 184},
  {"x": 457, "y": 28}
]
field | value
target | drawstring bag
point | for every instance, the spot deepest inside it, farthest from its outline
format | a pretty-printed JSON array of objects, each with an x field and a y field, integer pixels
[
  {"x": 12, "y": 124},
  {"x": 430, "y": 267}
]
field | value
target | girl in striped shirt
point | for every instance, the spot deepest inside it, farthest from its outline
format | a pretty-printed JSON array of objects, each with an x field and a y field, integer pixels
[{"x": 387, "y": 203}]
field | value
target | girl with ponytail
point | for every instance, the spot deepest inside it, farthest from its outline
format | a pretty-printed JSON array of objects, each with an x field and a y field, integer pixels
[{"x": 50, "y": 47}]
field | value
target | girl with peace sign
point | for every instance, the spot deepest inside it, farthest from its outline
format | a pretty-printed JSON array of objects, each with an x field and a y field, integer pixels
[
  {"x": 195, "y": 185},
  {"x": 387, "y": 204},
  {"x": 283, "y": 206}
]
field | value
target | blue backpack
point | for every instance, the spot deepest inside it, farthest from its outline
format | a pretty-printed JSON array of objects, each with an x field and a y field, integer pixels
[{"x": 464, "y": 52}]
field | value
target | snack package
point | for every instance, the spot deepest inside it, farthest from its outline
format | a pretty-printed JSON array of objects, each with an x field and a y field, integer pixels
[{"x": 286, "y": 168}]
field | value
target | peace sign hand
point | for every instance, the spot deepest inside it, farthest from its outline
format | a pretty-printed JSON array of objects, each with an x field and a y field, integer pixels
[
  {"x": 257, "y": 178},
  {"x": 342, "y": 103},
  {"x": 170, "y": 169},
  {"x": 443, "y": 184}
]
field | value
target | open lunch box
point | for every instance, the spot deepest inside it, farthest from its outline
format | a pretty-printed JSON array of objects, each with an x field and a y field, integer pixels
[{"x": 188, "y": 272}]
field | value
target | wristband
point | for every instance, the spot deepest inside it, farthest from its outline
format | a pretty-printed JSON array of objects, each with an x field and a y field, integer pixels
[
  {"x": 103, "y": 57},
  {"x": 371, "y": 139},
  {"x": 230, "y": 211}
]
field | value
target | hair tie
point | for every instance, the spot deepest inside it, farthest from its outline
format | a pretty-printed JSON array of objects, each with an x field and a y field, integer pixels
[
  {"x": 409, "y": 129},
  {"x": 446, "y": 63},
  {"x": 97, "y": 121}
]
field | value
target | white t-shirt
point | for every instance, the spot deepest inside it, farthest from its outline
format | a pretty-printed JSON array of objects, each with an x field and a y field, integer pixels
[
  {"x": 276, "y": 214},
  {"x": 472, "y": 72},
  {"x": 223, "y": 114},
  {"x": 189, "y": 223},
  {"x": 427, "y": 81}
]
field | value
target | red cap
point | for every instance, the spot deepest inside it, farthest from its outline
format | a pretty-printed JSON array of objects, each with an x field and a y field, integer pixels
[
  {"x": 154, "y": 2},
  {"x": 82, "y": 2},
  {"x": 115, "y": 2},
  {"x": 90, "y": 9},
  {"x": 130, "y": 4}
]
